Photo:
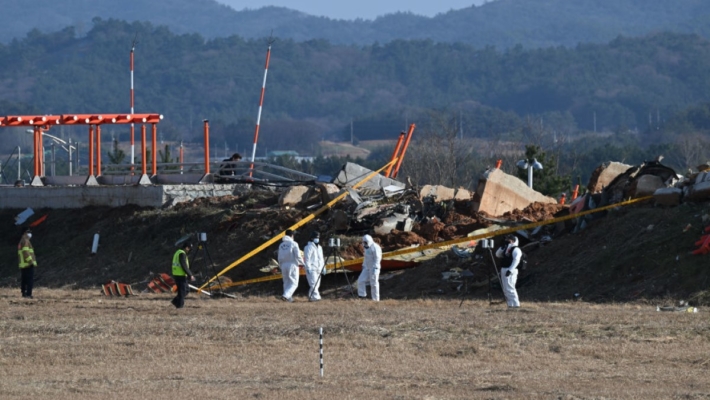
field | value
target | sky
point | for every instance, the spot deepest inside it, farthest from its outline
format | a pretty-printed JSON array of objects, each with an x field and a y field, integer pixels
[{"x": 366, "y": 9}]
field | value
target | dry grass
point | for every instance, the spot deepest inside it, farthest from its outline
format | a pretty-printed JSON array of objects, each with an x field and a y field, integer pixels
[
  {"x": 79, "y": 344},
  {"x": 343, "y": 149}
]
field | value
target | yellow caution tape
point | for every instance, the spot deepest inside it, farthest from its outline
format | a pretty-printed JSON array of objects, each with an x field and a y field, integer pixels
[{"x": 296, "y": 225}]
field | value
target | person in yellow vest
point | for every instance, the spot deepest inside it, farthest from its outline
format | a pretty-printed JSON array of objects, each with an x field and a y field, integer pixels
[
  {"x": 28, "y": 262},
  {"x": 181, "y": 273}
]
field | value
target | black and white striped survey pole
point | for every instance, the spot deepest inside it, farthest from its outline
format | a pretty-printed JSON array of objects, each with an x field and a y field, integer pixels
[{"x": 320, "y": 331}]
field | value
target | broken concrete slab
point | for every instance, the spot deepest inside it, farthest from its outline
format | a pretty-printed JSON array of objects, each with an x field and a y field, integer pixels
[
  {"x": 624, "y": 185},
  {"x": 352, "y": 173},
  {"x": 499, "y": 193},
  {"x": 463, "y": 194},
  {"x": 401, "y": 222},
  {"x": 668, "y": 196},
  {"x": 646, "y": 185},
  {"x": 293, "y": 195},
  {"x": 604, "y": 174},
  {"x": 699, "y": 191},
  {"x": 328, "y": 191},
  {"x": 437, "y": 192},
  {"x": 443, "y": 193}
]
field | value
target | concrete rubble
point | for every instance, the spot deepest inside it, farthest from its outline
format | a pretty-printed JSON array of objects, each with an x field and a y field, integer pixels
[
  {"x": 443, "y": 193},
  {"x": 604, "y": 174},
  {"x": 352, "y": 173},
  {"x": 499, "y": 193},
  {"x": 389, "y": 207}
]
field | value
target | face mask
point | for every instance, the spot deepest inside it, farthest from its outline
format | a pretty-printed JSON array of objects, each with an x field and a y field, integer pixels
[
  {"x": 29, "y": 236},
  {"x": 316, "y": 240}
]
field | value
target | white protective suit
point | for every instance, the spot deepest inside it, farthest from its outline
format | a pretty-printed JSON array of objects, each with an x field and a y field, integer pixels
[
  {"x": 289, "y": 260},
  {"x": 370, "y": 269},
  {"x": 511, "y": 255},
  {"x": 313, "y": 256}
]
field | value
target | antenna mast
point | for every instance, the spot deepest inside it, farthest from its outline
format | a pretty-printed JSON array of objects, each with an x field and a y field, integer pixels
[
  {"x": 133, "y": 142},
  {"x": 261, "y": 104}
]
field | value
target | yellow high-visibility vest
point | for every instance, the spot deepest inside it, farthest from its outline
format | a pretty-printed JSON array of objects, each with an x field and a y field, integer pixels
[
  {"x": 30, "y": 260},
  {"x": 177, "y": 268}
]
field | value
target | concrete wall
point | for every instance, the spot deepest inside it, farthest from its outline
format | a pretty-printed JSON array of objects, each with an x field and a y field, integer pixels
[{"x": 111, "y": 196}]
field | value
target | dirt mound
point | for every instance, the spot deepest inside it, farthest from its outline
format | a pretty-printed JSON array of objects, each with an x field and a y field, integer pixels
[
  {"x": 637, "y": 252},
  {"x": 398, "y": 239},
  {"x": 535, "y": 212}
]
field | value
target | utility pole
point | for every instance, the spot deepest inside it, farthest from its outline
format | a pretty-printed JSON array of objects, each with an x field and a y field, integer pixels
[
  {"x": 133, "y": 142},
  {"x": 461, "y": 125}
]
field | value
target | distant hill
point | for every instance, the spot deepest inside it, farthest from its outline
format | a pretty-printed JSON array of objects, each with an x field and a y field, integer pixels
[
  {"x": 501, "y": 23},
  {"x": 315, "y": 89}
]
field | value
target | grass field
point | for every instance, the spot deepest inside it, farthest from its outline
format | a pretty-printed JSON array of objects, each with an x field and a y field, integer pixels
[{"x": 69, "y": 344}]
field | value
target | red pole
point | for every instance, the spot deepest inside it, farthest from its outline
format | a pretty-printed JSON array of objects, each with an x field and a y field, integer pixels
[
  {"x": 404, "y": 150},
  {"x": 207, "y": 146},
  {"x": 394, "y": 155},
  {"x": 563, "y": 199},
  {"x": 499, "y": 163},
  {"x": 40, "y": 140},
  {"x": 575, "y": 193},
  {"x": 154, "y": 156},
  {"x": 261, "y": 104},
  {"x": 36, "y": 150},
  {"x": 98, "y": 150},
  {"x": 143, "y": 151},
  {"x": 91, "y": 150}
]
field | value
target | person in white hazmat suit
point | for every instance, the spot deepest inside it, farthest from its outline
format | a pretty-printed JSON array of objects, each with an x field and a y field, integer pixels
[
  {"x": 370, "y": 269},
  {"x": 289, "y": 260},
  {"x": 511, "y": 255},
  {"x": 314, "y": 263}
]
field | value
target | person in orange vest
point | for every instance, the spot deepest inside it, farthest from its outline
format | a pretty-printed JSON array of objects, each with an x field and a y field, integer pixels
[
  {"x": 28, "y": 262},
  {"x": 181, "y": 273}
]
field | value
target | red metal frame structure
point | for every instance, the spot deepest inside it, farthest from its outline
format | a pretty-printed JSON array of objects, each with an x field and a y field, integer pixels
[
  {"x": 42, "y": 123},
  {"x": 396, "y": 152},
  {"x": 403, "y": 151}
]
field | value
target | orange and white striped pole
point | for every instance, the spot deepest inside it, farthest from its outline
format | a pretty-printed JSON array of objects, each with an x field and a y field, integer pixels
[
  {"x": 133, "y": 131},
  {"x": 261, "y": 105}
]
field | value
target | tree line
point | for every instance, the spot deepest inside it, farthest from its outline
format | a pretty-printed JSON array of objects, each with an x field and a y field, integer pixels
[{"x": 618, "y": 99}]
